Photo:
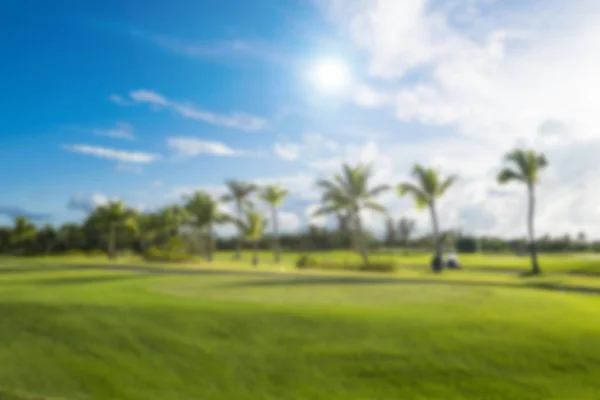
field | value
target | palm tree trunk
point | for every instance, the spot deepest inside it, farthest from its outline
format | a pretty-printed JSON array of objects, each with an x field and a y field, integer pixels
[
  {"x": 535, "y": 267},
  {"x": 437, "y": 257},
  {"x": 238, "y": 245},
  {"x": 112, "y": 238},
  {"x": 255, "y": 253},
  {"x": 209, "y": 243},
  {"x": 276, "y": 234},
  {"x": 360, "y": 238}
]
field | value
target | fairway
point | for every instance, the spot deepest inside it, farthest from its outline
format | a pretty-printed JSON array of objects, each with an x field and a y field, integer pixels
[{"x": 78, "y": 333}]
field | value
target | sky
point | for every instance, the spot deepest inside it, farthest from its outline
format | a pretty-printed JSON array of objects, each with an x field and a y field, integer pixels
[{"x": 148, "y": 101}]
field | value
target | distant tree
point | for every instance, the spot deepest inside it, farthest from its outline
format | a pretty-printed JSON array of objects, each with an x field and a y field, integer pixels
[
  {"x": 253, "y": 226},
  {"x": 239, "y": 193},
  {"x": 71, "y": 236},
  {"x": 390, "y": 233},
  {"x": 46, "y": 238},
  {"x": 428, "y": 189},
  {"x": 206, "y": 214},
  {"x": 350, "y": 192},
  {"x": 406, "y": 227},
  {"x": 23, "y": 235},
  {"x": 111, "y": 218},
  {"x": 274, "y": 196},
  {"x": 173, "y": 218},
  {"x": 150, "y": 226},
  {"x": 524, "y": 166}
]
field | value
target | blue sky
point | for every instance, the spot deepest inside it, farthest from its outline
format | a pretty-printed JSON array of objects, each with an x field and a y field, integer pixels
[
  {"x": 66, "y": 60},
  {"x": 148, "y": 100}
]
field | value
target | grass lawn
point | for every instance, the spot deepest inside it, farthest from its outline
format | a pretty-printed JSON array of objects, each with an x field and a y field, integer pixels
[{"x": 70, "y": 331}]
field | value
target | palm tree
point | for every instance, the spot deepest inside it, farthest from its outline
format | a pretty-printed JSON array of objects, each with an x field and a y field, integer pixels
[
  {"x": 429, "y": 188},
  {"x": 206, "y": 213},
  {"x": 253, "y": 227},
  {"x": 406, "y": 226},
  {"x": 173, "y": 218},
  {"x": 349, "y": 192},
  {"x": 274, "y": 196},
  {"x": 524, "y": 166},
  {"x": 238, "y": 194},
  {"x": 112, "y": 217},
  {"x": 22, "y": 234}
]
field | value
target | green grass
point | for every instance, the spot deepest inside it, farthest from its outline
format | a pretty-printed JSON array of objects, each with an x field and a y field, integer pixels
[{"x": 79, "y": 331}]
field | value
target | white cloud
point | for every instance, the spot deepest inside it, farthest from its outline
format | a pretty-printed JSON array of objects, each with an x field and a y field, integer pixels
[
  {"x": 220, "y": 49},
  {"x": 148, "y": 96},
  {"x": 122, "y": 130},
  {"x": 287, "y": 151},
  {"x": 87, "y": 202},
  {"x": 491, "y": 77},
  {"x": 288, "y": 221},
  {"x": 316, "y": 220},
  {"x": 115, "y": 98},
  {"x": 134, "y": 157},
  {"x": 369, "y": 97},
  {"x": 236, "y": 120},
  {"x": 187, "y": 147}
]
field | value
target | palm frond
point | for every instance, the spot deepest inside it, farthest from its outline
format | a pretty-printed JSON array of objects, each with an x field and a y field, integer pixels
[
  {"x": 371, "y": 205},
  {"x": 509, "y": 175},
  {"x": 421, "y": 198},
  {"x": 377, "y": 190},
  {"x": 445, "y": 185}
]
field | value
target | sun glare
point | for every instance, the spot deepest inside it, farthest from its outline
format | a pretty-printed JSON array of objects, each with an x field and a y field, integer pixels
[{"x": 330, "y": 75}]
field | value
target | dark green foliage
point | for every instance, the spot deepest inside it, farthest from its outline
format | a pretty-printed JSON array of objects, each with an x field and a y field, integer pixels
[
  {"x": 307, "y": 261},
  {"x": 154, "y": 254}
]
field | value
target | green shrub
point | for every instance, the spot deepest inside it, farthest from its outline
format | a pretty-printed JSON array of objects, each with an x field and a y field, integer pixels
[
  {"x": 96, "y": 253},
  {"x": 378, "y": 267},
  {"x": 75, "y": 253},
  {"x": 157, "y": 255},
  {"x": 305, "y": 261}
]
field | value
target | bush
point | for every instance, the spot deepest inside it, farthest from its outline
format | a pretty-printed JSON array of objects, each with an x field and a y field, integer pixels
[
  {"x": 378, "y": 267},
  {"x": 96, "y": 253},
  {"x": 75, "y": 253},
  {"x": 157, "y": 255},
  {"x": 305, "y": 261}
]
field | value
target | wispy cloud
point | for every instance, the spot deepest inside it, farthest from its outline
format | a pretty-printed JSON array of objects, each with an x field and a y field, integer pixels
[
  {"x": 287, "y": 151},
  {"x": 13, "y": 212},
  {"x": 219, "y": 49},
  {"x": 117, "y": 99},
  {"x": 188, "y": 147},
  {"x": 236, "y": 120},
  {"x": 134, "y": 157},
  {"x": 86, "y": 202},
  {"x": 122, "y": 130}
]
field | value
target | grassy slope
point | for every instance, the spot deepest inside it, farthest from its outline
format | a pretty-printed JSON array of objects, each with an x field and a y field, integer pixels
[{"x": 85, "y": 334}]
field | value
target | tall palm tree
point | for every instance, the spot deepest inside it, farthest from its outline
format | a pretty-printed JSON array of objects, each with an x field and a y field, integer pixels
[
  {"x": 252, "y": 226},
  {"x": 524, "y": 166},
  {"x": 111, "y": 218},
  {"x": 205, "y": 212},
  {"x": 274, "y": 196},
  {"x": 428, "y": 189},
  {"x": 239, "y": 192},
  {"x": 349, "y": 191}
]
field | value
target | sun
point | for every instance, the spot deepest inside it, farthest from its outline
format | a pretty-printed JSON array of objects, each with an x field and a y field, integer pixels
[{"x": 330, "y": 75}]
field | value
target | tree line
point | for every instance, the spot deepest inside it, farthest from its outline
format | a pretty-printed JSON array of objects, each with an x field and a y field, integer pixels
[{"x": 190, "y": 227}]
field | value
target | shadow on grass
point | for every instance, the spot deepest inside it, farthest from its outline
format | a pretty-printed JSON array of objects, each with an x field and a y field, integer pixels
[
  {"x": 308, "y": 281},
  {"x": 275, "y": 278}
]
